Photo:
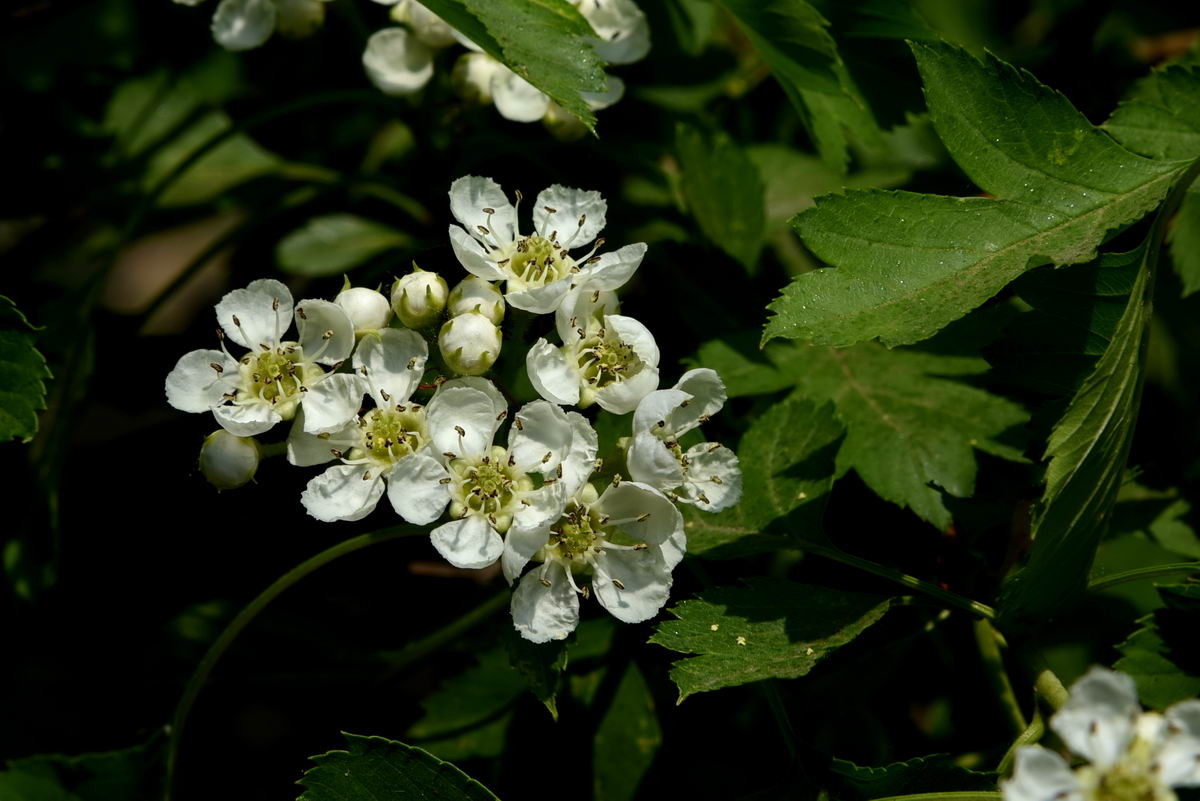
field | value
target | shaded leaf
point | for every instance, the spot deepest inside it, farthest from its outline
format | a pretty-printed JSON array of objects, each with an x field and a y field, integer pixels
[
  {"x": 626, "y": 740},
  {"x": 540, "y": 665},
  {"x": 1157, "y": 515},
  {"x": 723, "y": 192},
  {"x": 131, "y": 773},
  {"x": 333, "y": 243},
  {"x": 1162, "y": 656},
  {"x": 378, "y": 769},
  {"x": 905, "y": 264},
  {"x": 744, "y": 369},
  {"x": 23, "y": 374},
  {"x": 1160, "y": 117},
  {"x": 1185, "y": 242},
  {"x": 767, "y": 629},
  {"x": 933, "y": 773}
]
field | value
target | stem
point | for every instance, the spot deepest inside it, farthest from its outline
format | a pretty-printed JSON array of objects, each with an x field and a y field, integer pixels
[
  {"x": 246, "y": 616},
  {"x": 413, "y": 652},
  {"x": 770, "y": 688},
  {"x": 945, "y": 596},
  {"x": 1032, "y": 733},
  {"x": 987, "y": 639},
  {"x": 1103, "y": 583},
  {"x": 968, "y": 795},
  {"x": 1051, "y": 689}
]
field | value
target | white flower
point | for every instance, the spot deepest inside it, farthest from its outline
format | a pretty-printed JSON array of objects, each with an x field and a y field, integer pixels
[
  {"x": 229, "y": 462},
  {"x": 419, "y": 297},
  {"x": 490, "y": 488},
  {"x": 367, "y": 309},
  {"x": 476, "y": 295},
  {"x": 387, "y": 447},
  {"x": 470, "y": 343},
  {"x": 267, "y": 384},
  {"x": 628, "y": 541},
  {"x": 397, "y": 62},
  {"x": 1133, "y": 755},
  {"x": 605, "y": 358},
  {"x": 624, "y": 35},
  {"x": 247, "y": 24},
  {"x": 708, "y": 475},
  {"x": 537, "y": 268},
  {"x": 428, "y": 27}
]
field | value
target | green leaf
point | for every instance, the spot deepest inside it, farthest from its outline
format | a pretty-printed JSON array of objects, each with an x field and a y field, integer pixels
[
  {"x": 377, "y": 769},
  {"x": 626, "y": 740},
  {"x": 1160, "y": 117},
  {"x": 540, "y": 665},
  {"x": 744, "y": 369},
  {"x": 546, "y": 42},
  {"x": 905, "y": 264},
  {"x": 1161, "y": 656},
  {"x": 936, "y": 772},
  {"x": 334, "y": 243},
  {"x": 767, "y": 629},
  {"x": 1157, "y": 515},
  {"x": 1185, "y": 242},
  {"x": 23, "y": 377},
  {"x": 911, "y": 431},
  {"x": 787, "y": 470},
  {"x": 131, "y": 773},
  {"x": 724, "y": 193}
]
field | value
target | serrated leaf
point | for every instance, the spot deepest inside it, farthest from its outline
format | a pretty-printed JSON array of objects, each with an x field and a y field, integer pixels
[
  {"x": 904, "y": 264},
  {"x": 767, "y": 629},
  {"x": 787, "y": 470},
  {"x": 540, "y": 665},
  {"x": 546, "y": 42},
  {"x": 724, "y": 193},
  {"x": 911, "y": 432},
  {"x": 23, "y": 373},
  {"x": 927, "y": 774},
  {"x": 1160, "y": 117},
  {"x": 1185, "y": 242},
  {"x": 626, "y": 741},
  {"x": 1162, "y": 656},
  {"x": 1157, "y": 515},
  {"x": 744, "y": 369},
  {"x": 334, "y": 243},
  {"x": 378, "y": 769}
]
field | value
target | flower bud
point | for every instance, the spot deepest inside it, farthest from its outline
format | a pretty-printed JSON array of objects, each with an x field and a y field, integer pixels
[
  {"x": 476, "y": 295},
  {"x": 228, "y": 461},
  {"x": 419, "y": 298},
  {"x": 469, "y": 343},
  {"x": 367, "y": 309}
]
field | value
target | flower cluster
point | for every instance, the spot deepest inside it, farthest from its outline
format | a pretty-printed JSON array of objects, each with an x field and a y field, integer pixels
[
  {"x": 1132, "y": 755},
  {"x": 368, "y": 400}
]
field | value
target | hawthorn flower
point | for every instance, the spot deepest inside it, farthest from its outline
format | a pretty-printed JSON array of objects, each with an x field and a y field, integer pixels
[
  {"x": 419, "y": 297},
  {"x": 387, "y": 448},
  {"x": 707, "y": 475},
  {"x": 1133, "y": 755},
  {"x": 476, "y": 295},
  {"x": 605, "y": 358},
  {"x": 267, "y": 384},
  {"x": 470, "y": 343},
  {"x": 367, "y": 308},
  {"x": 229, "y": 462},
  {"x": 627, "y": 540},
  {"x": 537, "y": 268},
  {"x": 246, "y": 24}
]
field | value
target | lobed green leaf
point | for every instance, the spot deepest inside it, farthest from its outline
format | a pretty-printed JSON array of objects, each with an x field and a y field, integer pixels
[{"x": 22, "y": 377}]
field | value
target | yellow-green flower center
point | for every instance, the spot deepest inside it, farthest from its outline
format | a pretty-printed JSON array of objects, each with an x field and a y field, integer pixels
[
  {"x": 604, "y": 359},
  {"x": 391, "y": 434},
  {"x": 276, "y": 376},
  {"x": 488, "y": 486},
  {"x": 536, "y": 261}
]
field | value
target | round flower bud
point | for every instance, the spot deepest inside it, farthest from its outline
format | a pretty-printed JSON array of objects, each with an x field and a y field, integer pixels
[
  {"x": 367, "y": 309},
  {"x": 476, "y": 295},
  {"x": 419, "y": 298},
  {"x": 469, "y": 343},
  {"x": 228, "y": 461}
]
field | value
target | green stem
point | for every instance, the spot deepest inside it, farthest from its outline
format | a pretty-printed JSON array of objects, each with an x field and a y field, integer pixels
[
  {"x": 1033, "y": 732},
  {"x": 934, "y": 591},
  {"x": 770, "y": 688},
  {"x": 1104, "y": 582},
  {"x": 993, "y": 662},
  {"x": 414, "y": 652},
  {"x": 246, "y": 616},
  {"x": 968, "y": 795},
  {"x": 1051, "y": 689}
]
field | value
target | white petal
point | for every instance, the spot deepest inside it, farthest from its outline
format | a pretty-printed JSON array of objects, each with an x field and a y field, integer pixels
[
  {"x": 581, "y": 458},
  {"x": 539, "y": 437},
  {"x": 470, "y": 543},
  {"x": 541, "y": 509},
  {"x": 624, "y": 33},
  {"x": 615, "y": 268},
  {"x": 636, "y": 335},
  {"x": 542, "y": 300},
  {"x": 657, "y": 408},
  {"x": 624, "y": 397},
  {"x": 263, "y": 311},
  {"x": 713, "y": 471},
  {"x": 649, "y": 462},
  {"x": 429, "y": 27},
  {"x": 306, "y": 450},
  {"x": 499, "y": 404},
  {"x": 519, "y": 547},
  {"x": 1098, "y": 719},
  {"x": 550, "y": 374},
  {"x": 544, "y": 613},
  {"x": 247, "y": 420},
  {"x": 397, "y": 62},
  {"x": 646, "y": 584},
  {"x": 416, "y": 490},
  {"x": 461, "y": 421},
  {"x": 708, "y": 396},
  {"x": 343, "y": 492},
  {"x": 1040, "y": 775},
  {"x": 333, "y": 402},
  {"x": 660, "y": 525},
  {"x": 1179, "y": 757},
  {"x": 517, "y": 99},
  {"x": 317, "y": 318},
  {"x": 469, "y": 196},
  {"x": 394, "y": 359},
  {"x": 583, "y": 306},
  {"x": 569, "y": 207},
  {"x": 610, "y": 96},
  {"x": 243, "y": 24},
  {"x": 473, "y": 257},
  {"x": 195, "y": 386}
]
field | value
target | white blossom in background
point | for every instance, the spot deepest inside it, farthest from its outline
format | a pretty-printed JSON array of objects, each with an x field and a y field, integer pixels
[
  {"x": 708, "y": 475},
  {"x": 247, "y": 24},
  {"x": 229, "y": 462},
  {"x": 1132, "y": 755},
  {"x": 620, "y": 546},
  {"x": 538, "y": 268},
  {"x": 605, "y": 358},
  {"x": 266, "y": 385},
  {"x": 419, "y": 298}
]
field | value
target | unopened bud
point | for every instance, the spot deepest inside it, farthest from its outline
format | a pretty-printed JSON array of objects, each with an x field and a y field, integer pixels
[
  {"x": 469, "y": 343},
  {"x": 367, "y": 309},
  {"x": 419, "y": 298},
  {"x": 229, "y": 461},
  {"x": 476, "y": 295}
]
